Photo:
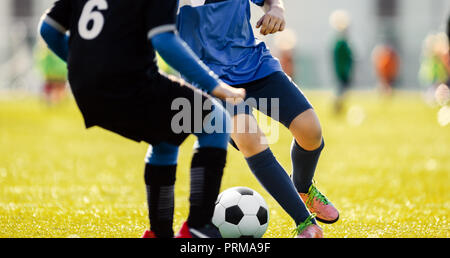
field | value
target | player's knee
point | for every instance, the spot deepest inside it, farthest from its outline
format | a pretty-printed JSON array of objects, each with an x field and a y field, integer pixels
[
  {"x": 250, "y": 143},
  {"x": 162, "y": 154},
  {"x": 312, "y": 139},
  {"x": 314, "y": 136},
  {"x": 307, "y": 130}
]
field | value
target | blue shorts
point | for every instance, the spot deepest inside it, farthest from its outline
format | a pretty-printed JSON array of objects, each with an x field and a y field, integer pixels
[{"x": 275, "y": 95}]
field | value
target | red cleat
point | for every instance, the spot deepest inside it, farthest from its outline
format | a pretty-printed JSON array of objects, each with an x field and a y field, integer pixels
[
  {"x": 148, "y": 234},
  {"x": 184, "y": 232},
  {"x": 207, "y": 231}
]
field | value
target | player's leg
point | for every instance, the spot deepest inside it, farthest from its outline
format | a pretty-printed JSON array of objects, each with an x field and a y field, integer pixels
[
  {"x": 160, "y": 173},
  {"x": 207, "y": 168},
  {"x": 266, "y": 167},
  {"x": 207, "y": 164},
  {"x": 297, "y": 114},
  {"x": 341, "y": 93},
  {"x": 251, "y": 141},
  {"x": 306, "y": 148}
]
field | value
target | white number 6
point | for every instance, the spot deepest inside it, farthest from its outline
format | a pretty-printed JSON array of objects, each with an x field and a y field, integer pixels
[{"x": 96, "y": 17}]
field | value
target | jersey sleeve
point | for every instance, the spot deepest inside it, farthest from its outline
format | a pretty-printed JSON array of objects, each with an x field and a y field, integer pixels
[
  {"x": 160, "y": 16},
  {"x": 59, "y": 15},
  {"x": 258, "y": 2}
]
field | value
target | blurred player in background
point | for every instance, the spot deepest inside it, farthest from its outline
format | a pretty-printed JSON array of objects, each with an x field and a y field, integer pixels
[
  {"x": 442, "y": 94},
  {"x": 448, "y": 40},
  {"x": 54, "y": 73},
  {"x": 342, "y": 56},
  {"x": 220, "y": 33},
  {"x": 434, "y": 68},
  {"x": 285, "y": 43},
  {"x": 386, "y": 63},
  {"x": 115, "y": 81}
]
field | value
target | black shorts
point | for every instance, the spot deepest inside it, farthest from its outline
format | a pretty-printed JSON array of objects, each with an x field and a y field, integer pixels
[{"x": 139, "y": 109}]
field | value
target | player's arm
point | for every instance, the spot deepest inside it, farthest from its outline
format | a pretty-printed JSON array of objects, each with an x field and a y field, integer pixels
[
  {"x": 160, "y": 22},
  {"x": 55, "y": 37},
  {"x": 273, "y": 19},
  {"x": 180, "y": 56},
  {"x": 54, "y": 25}
]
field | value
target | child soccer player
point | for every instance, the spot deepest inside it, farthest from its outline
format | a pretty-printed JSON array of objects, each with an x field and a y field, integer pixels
[
  {"x": 115, "y": 81},
  {"x": 220, "y": 33},
  {"x": 386, "y": 63},
  {"x": 342, "y": 56}
]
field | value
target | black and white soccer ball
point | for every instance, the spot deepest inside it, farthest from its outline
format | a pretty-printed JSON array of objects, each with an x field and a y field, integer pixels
[{"x": 241, "y": 212}]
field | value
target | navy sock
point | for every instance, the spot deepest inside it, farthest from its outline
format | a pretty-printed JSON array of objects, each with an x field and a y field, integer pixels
[
  {"x": 304, "y": 165},
  {"x": 277, "y": 182}
]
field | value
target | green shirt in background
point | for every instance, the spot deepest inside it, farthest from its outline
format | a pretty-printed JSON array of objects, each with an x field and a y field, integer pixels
[{"x": 342, "y": 59}]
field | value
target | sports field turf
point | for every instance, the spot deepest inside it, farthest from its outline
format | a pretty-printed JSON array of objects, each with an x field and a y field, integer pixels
[{"x": 387, "y": 170}]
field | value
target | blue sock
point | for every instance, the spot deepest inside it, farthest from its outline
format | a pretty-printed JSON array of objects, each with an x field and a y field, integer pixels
[
  {"x": 276, "y": 181},
  {"x": 304, "y": 165}
]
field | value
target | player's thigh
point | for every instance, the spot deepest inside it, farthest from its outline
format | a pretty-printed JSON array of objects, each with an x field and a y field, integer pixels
[{"x": 246, "y": 135}]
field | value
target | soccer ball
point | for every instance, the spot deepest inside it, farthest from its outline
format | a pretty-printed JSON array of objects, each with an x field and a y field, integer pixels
[{"x": 241, "y": 212}]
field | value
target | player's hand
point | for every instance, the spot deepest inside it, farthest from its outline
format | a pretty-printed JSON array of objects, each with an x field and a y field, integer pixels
[
  {"x": 228, "y": 93},
  {"x": 272, "y": 22}
]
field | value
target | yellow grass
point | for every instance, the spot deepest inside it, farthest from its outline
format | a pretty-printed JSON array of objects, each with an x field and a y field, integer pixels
[{"x": 386, "y": 166}]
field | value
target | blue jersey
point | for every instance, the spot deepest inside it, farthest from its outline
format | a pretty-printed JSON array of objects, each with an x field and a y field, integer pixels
[{"x": 220, "y": 33}]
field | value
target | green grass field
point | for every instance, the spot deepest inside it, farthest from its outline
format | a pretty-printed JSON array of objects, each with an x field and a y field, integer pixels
[{"x": 387, "y": 171}]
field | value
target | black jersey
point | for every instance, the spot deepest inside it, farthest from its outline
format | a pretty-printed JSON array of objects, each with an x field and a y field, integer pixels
[{"x": 109, "y": 39}]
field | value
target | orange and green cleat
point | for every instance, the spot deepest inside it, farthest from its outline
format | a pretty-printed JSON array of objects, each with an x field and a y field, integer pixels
[
  {"x": 317, "y": 203},
  {"x": 307, "y": 229}
]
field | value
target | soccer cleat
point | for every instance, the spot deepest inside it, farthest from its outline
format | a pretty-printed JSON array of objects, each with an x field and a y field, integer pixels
[
  {"x": 207, "y": 231},
  {"x": 312, "y": 231},
  {"x": 317, "y": 203},
  {"x": 148, "y": 234},
  {"x": 307, "y": 229}
]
